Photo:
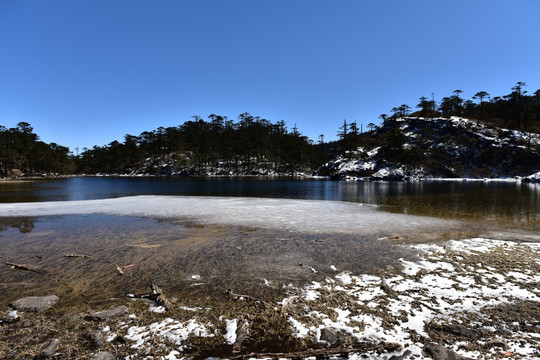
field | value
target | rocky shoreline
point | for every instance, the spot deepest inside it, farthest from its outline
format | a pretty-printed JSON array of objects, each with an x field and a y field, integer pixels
[
  {"x": 469, "y": 299},
  {"x": 387, "y": 175}
]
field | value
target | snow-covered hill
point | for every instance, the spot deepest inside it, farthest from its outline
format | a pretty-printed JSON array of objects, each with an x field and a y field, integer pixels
[{"x": 440, "y": 148}]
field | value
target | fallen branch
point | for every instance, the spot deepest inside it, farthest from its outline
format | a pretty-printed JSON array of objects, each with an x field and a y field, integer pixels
[
  {"x": 160, "y": 299},
  {"x": 247, "y": 297},
  {"x": 150, "y": 296},
  {"x": 21, "y": 267},
  {"x": 119, "y": 269}
]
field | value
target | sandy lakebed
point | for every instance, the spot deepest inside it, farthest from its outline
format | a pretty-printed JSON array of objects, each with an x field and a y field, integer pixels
[{"x": 263, "y": 278}]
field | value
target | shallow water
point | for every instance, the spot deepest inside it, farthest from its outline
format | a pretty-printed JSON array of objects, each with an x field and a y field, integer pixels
[{"x": 194, "y": 260}]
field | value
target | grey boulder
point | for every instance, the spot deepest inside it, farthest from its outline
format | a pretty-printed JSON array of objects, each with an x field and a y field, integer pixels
[
  {"x": 104, "y": 315},
  {"x": 34, "y": 303}
]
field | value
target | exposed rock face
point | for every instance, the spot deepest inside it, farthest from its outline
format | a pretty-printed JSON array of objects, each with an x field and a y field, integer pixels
[
  {"x": 534, "y": 178},
  {"x": 35, "y": 303},
  {"x": 104, "y": 315},
  {"x": 439, "y": 148},
  {"x": 15, "y": 173}
]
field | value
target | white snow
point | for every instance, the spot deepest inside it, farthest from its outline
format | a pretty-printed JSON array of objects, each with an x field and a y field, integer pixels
[
  {"x": 443, "y": 291},
  {"x": 172, "y": 330},
  {"x": 13, "y": 314},
  {"x": 230, "y": 334}
]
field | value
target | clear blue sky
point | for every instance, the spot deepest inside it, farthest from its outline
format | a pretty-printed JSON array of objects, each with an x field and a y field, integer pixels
[{"x": 87, "y": 72}]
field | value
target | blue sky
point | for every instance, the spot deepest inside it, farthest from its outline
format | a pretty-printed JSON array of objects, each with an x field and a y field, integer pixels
[{"x": 87, "y": 72}]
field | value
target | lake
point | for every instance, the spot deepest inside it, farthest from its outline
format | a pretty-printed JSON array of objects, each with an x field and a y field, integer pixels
[
  {"x": 503, "y": 203},
  {"x": 235, "y": 232}
]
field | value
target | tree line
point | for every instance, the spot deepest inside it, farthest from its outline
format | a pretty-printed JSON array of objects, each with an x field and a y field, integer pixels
[
  {"x": 252, "y": 142},
  {"x": 21, "y": 151},
  {"x": 517, "y": 110},
  {"x": 249, "y": 143}
]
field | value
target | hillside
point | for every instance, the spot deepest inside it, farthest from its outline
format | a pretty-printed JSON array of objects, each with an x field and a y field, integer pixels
[
  {"x": 415, "y": 147},
  {"x": 187, "y": 164},
  {"x": 250, "y": 146}
]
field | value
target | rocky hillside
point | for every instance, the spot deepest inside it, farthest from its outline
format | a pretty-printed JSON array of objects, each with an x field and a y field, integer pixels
[
  {"x": 185, "y": 164},
  {"x": 408, "y": 148}
]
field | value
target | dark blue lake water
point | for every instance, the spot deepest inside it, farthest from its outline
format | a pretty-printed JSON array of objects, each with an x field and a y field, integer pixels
[{"x": 491, "y": 201}]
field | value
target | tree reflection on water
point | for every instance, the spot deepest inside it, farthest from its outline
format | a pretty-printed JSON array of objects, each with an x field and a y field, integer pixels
[{"x": 24, "y": 225}]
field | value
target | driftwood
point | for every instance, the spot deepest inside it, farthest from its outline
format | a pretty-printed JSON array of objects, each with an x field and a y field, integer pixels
[
  {"x": 21, "y": 267},
  {"x": 155, "y": 295},
  {"x": 247, "y": 297},
  {"x": 121, "y": 269},
  {"x": 80, "y": 256},
  {"x": 160, "y": 299},
  {"x": 319, "y": 353},
  {"x": 149, "y": 295}
]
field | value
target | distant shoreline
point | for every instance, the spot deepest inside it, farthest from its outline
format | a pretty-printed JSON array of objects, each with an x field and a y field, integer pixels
[{"x": 517, "y": 179}]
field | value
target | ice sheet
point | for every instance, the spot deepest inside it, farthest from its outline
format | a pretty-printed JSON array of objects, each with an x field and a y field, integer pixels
[{"x": 294, "y": 215}]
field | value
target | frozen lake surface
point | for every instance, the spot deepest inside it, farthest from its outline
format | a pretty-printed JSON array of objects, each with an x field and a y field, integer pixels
[{"x": 311, "y": 216}]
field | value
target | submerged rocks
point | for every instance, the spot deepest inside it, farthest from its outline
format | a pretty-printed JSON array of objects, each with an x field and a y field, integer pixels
[
  {"x": 34, "y": 303},
  {"x": 104, "y": 315}
]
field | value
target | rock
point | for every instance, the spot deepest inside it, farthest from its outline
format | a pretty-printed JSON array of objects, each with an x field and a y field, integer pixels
[
  {"x": 34, "y": 303},
  {"x": 439, "y": 352},
  {"x": 104, "y": 315},
  {"x": 104, "y": 355},
  {"x": 48, "y": 352},
  {"x": 121, "y": 339},
  {"x": 330, "y": 336},
  {"x": 96, "y": 339},
  {"x": 387, "y": 289},
  {"x": 15, "y": 173},
  {"x": 497, "y": 342},
  {"x": 404, "y": 356},
  {"x": 460, "y": 330}
]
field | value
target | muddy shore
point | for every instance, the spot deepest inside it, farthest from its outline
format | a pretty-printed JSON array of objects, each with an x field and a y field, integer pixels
[{"x": 238, "y": 291}]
